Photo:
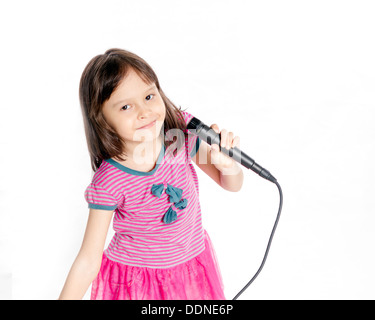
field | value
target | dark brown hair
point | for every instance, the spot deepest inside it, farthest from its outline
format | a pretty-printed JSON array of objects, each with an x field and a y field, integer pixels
[{"x": 99, "y": 79}]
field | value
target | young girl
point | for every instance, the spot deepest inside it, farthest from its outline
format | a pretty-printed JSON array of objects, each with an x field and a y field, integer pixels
[{"x": 142, "y": 153}]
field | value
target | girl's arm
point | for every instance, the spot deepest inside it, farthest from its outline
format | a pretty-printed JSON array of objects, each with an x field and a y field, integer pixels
[
  {"x": 87, "y": 263},
  {"x": 219, "y": 167}
]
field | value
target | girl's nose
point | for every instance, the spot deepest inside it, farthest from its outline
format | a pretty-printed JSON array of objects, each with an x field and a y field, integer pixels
[{"x": 144, "y": 111}]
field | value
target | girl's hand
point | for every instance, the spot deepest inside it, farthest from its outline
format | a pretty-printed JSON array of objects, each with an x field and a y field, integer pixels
[{"x": 221, "y": 161}]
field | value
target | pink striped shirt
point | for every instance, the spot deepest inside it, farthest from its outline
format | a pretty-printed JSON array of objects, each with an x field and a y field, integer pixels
[{"x": 141, "y": 237}]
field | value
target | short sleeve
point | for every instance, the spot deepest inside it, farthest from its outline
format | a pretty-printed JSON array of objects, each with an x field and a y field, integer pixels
[
  {"x": 193, "y": 140},
  {"x": 99, "y": 198}
]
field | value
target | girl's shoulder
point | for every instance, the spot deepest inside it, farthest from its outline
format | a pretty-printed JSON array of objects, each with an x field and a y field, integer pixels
[
  {"x": 186, "y": 116},
  {"x": 104, "y": 172}
]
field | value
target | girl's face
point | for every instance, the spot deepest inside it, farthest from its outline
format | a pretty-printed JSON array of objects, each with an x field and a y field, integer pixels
[{"x": 135, "y": 110}]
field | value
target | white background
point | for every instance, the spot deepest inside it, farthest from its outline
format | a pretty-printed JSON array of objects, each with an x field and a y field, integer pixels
[{"x": 294, "y": 79}]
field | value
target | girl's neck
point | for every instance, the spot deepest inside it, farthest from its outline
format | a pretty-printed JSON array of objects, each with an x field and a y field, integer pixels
[{"x": 142, "y": 156}]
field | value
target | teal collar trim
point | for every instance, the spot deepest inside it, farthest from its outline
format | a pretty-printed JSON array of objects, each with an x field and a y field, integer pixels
[{"x": 136, "y": 172}]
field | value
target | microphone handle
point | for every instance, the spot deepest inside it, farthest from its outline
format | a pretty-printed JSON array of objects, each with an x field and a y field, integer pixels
[{"x": 211, "y": 137}]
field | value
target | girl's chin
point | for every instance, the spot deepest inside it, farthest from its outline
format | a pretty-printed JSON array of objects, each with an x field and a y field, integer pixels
[{"x": 146, "y": 136}]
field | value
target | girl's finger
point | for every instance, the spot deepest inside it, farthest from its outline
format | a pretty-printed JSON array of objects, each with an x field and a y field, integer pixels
[
  {"x": 229, "y": 140},
  {"x": 215, "y": 154},
  {"x": 223, "y": 138},
  {"x": 236, "y": 142},
  {"x": 215, "y": 127}
]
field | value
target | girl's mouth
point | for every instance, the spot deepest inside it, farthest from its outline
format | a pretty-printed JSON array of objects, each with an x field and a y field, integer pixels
[{"x": 150, "y": 125}]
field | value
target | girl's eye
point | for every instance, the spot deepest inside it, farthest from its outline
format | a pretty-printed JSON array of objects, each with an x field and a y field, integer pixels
[
  {"x": 149, "y": 97},
  {"x": 125, "y": 107}
]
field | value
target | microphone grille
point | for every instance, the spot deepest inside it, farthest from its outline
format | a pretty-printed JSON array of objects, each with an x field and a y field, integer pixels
[{"x": 193, "y": 123}]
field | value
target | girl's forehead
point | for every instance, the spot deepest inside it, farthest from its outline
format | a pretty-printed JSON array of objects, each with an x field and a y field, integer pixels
[
  {"x": 136, "y": 79},
  {"x": 131, "y": 86}
]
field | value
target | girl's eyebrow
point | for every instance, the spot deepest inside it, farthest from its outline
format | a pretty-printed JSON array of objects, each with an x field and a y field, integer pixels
[{"x": 152, "y": 87}]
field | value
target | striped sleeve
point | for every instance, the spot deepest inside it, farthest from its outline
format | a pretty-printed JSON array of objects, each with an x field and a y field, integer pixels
[
  {"x": 99, "y": 198},
  {"x": 193, "y": 140}
]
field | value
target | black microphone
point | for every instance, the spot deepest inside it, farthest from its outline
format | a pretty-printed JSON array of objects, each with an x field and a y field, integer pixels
[{"x": 207, "y": 134}]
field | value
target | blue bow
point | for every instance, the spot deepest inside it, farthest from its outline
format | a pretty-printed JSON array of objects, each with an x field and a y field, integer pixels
[
  {"x": 170, "y": 216},
  {"x": 157, "y": 189},
  {"x": 181, "y": 204},
  {"x": 175, "y": 195}
]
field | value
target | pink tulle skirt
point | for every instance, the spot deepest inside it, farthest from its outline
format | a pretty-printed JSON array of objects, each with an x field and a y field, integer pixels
[{"x": 196, "y": 279}]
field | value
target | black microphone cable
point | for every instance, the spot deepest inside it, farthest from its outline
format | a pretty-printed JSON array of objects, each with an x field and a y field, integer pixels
[
  {"x": 208, "y": 135},
  {"x": 268, "y": 245}
]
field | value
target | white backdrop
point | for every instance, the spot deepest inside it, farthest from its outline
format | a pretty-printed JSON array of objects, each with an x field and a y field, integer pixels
[{"x": 294, "y": 79}]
